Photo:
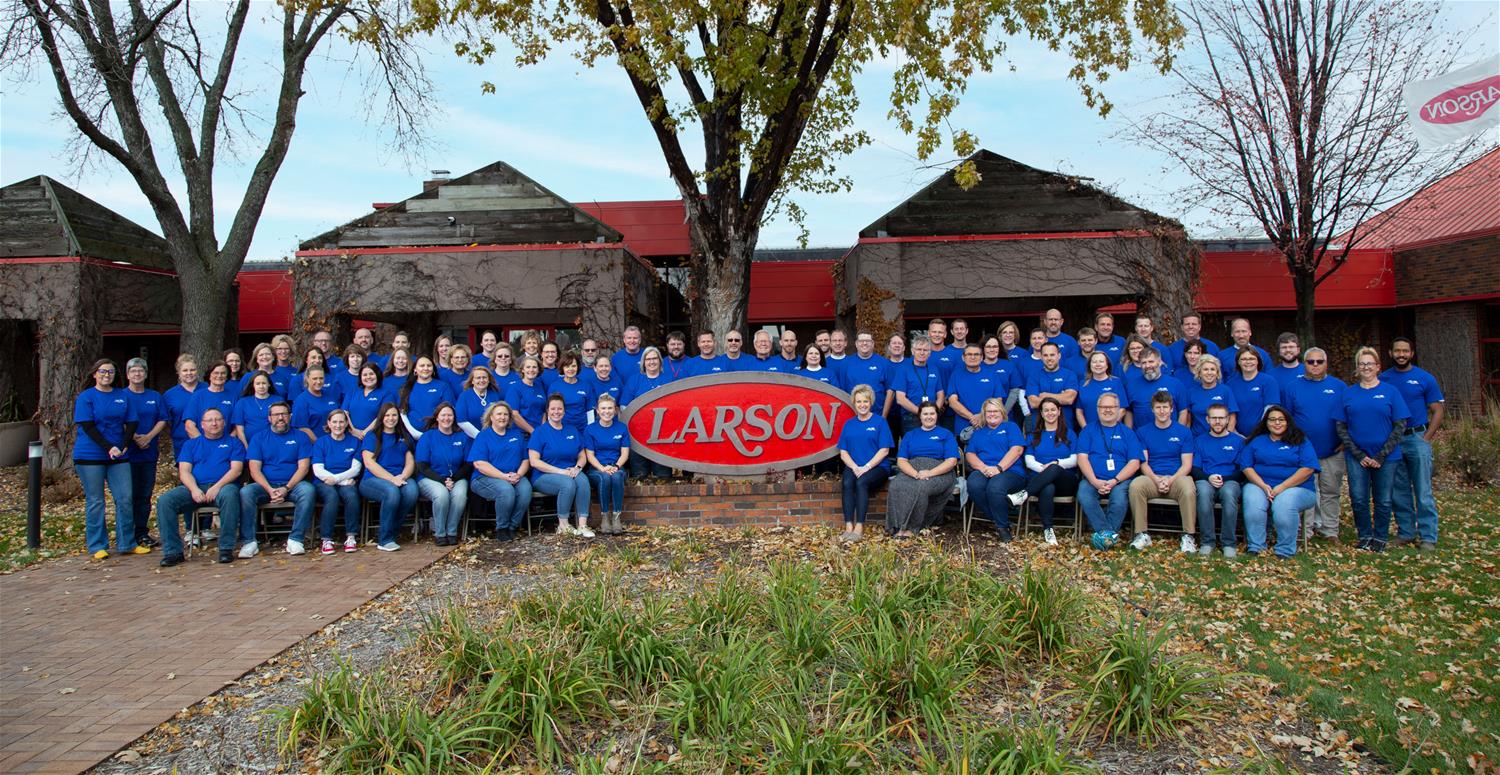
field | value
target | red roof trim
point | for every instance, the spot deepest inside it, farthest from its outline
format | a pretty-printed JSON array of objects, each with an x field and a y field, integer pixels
[
  {"x": 87, "y": 260},
  {"x": 1040, "y": 235}
]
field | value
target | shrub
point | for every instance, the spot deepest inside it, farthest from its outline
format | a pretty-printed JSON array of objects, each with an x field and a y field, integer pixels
[
  {"x": 974, "y": 747},
  {"x": 1046, "y": 614},
  {"x": 1469, "y": 448}
]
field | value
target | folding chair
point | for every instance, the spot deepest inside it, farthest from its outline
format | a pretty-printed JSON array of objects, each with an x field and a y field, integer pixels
[
  {"x": 196, "y": 524},
  {"x": 264, "y": 529},
  {"x": 1174, "y": 526},
  {"x": 1064, "y": 500}
]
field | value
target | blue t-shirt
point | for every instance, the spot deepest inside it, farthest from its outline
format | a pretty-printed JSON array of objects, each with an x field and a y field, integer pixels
[
  {"x": 1067, "y": 346},
  {"x": 109, "y": 412},
  {"x": 676, "y": 368},
  {"x": 282, "y": 380},
  {"x": 606, "y": 443},
  {"x": 1088, "y": 396},
  {"x": 873, "y": 371},
  {"x": 347, "y": 382},
  {"x": 919, "y": 383},
  {"x": 1140, "y": 390},
  {"x": 991, "y": 445},
  {"x": 557, "y": 447},
  {"x": 937, "y": 443},
  {"x": 279, "y": 454},
  {"x": 613, "y": 387},
  {"x": 528, "y": 401},
  {"x": 205, "y": 399},
  {"x": 1048, "y": 449},
  {"x": 505, "y": 453},
  {"x": 1276, "y": 461},
  {"x": 1062, "y": 380},
  {"x": 862, "y": 439},
  {"x": 149, "y": 410},
  {"x": 947, "y": 360},
  {"x": 1315, "y": 407},
  {"x": 822, "y": 374},
  {"x": 1201, "y": 398},
  {"x": 393, "y": 449},
  {"x": 787, "y": 365},
  {"x": 424, "y": 398},
  {"x": 836, "y": 365},
  {"x": 379, "y": 360},
  {"x": 444, "y": 453},
  {"x": 363, "y": 407},
  {"x": 1283, "y": 375},
  {"x": 1179, "y": 358},
  {"x": 1026, "y": 365},
  {"x": 1252, "y": 398},
  {"x": 973, "y": 388},
  {"x": 1371, "y": 413},
  {"x": 211, "y": 458},
  {"x": 451, "y": 378},
  {"x": 177, "y": 398},
  {"x": 1114, "y": 345},
  {"x": 1164, "y": 447},
  {"x": 253, "y": 414},
  {"x": 742, "y": 362},
  {"x": 624, "y": 363},
  {"x": 699, "y": 366},
  {"x": 1009, "y": 373},
  {"x": 311, "y": 412},
  {"x": 1109, "y": 449},
  {"x": 577, "y": 401},
  {"x": 1218, "y": 454},
  {"x": 1418, "y": 387},
  {"x": 641, "y": 385},
  {"x": 500, "y": 382},
  {"x": 471, "y": 406},
  {"x": 336, "y": 455}
]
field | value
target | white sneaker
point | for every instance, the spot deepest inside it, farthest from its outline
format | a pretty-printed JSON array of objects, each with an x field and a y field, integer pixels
[
  {"x": 294, "y": 547},
  {"x": 249, "y": 550},
  {"x": 1141, "y": 541},
  {"x": 1050, "y": 537},
  {"x": 390, "y": 546},
  {"x": 563, "y": 528},
  {"x": 351, "y": 544},
  {"x": 1018, "y": 498},
  {"x": 1189, "y": 544},
  {"x": 209, "y": 535},
  {"x": 326, "y": 547},
  {"x": 1230, "y": 552},
  {"x": 583, "y": 530}
]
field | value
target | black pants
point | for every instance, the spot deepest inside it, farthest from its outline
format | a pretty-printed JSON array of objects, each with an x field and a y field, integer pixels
[
  {"x": 857, "y": 492},
  {"x": 1050, "y": 482}
]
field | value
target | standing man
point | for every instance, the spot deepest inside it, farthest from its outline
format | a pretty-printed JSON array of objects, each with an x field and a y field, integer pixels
[
  {"x": 627, "y": 362},
  {"x": 1192, "y": 328},
  {"x": 1411, "y": 501},
  {"x": 960, "y": 329},
  {"x": 1088, "y": 344},
  {"x": 915, "y": 381},
  {"x": 944, "y": 357},
  {"x": 1052, "y": 381},
  {"x": 323, "y": 340},
  {"x": 1052, "y": 323},
  {"x": 1142, "y": 384},
  {"x": 1166, "y": 468},
  {"x": 866, "y": 368},
  {"x": 1109, "y": 455},
  {"x": 823, "y": 340},
  {"x": 735, "y": 358},
  {"x": 764, "y": 359},
  {"x": 838, "y": 346},
  {"x": 1239, "y": 333},
  {"x": 1288, "y": 359},
  {"x": 1104, "y": 326},
  {"x": 365, "y": 338},
  {"x": 790, "y": 359},
  {"x": 1314, "y": 400},
  {"x": 1145, "y": 328},
  {"x": 706, "y": 362},
  {"x": 677, "y": 360}
]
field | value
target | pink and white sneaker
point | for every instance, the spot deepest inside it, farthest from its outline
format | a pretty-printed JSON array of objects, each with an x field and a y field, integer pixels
[
  {"x": 327, "y": 546},
  {"x": 351, "y": 543}
]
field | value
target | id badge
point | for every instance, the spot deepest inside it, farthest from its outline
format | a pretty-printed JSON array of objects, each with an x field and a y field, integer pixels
[{"x": 1110, "y": 465}]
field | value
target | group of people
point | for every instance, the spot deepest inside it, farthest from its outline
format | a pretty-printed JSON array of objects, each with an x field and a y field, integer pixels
[{"x": 1116, "y": 421}]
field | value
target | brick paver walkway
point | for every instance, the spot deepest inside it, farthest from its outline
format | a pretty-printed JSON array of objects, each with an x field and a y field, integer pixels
[{"x": 93, "y": 655}]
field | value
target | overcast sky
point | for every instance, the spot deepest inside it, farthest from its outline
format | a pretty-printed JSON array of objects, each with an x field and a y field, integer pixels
[{"x": 581, "y": 133}]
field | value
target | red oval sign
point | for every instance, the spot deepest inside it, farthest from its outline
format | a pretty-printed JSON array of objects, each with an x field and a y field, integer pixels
[
  {"x": 1462, "y": 103},
  {"x": 739, "y": 423}
]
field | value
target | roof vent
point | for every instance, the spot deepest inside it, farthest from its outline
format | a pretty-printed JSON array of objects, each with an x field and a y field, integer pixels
[{"x": 439, "y": 177}]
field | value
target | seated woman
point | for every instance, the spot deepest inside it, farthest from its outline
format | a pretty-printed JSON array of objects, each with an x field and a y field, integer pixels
[
  {"x": 925, "y": 461},
  {"x": 250, "y": 411},
  {"x": 389, "y": 461},
  {"x": 1054, "y": 466},
  {"x": 363, "y": 405},
  {"x": 311, "y": 407},
  {"x": 1279, "y": 463},
  {"x": 474, "y": 400},
  {"x": 1253, "y": 389},
  {"x": 421, "y": 394},
  {"x": 651, "y": 377},
  {"x": 606, "y": 444},
  {"x": 336, "y": 467},
  {"x": 500, "y": 463},
  {"x": 865, "y": 444},
  {"x": 996, "y": 471},
  {"x": 443, "y": 466},
  {"x": 527, "y": 398},
  {"x": 557, "y": 466}
]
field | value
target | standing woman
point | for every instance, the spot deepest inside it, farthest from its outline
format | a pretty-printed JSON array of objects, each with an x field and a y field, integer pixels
[
  {"x": 177, "y": 399},
  {"x": 443, "y": 463},
  {"x": 557, "y": 465},
  {"x": 1253, "y": 389},
  {"x": 996, "y": 470},
  {"x": 531, "y": 344},
  {"x": 398, "y": 367},
  {"x": 527, "y": 398},
  {"x": 313, "y": 405},
  {"x": 603, "y": 381},
  {"x": 1279, "y": 463},
  {"x": 576, "y": 395},
  {"x": 313, "y": 357},
  {"x": 457, "y": 370},
  {"x": 1192, "y": 350},
  {"x": 106, "y": 421},
  {"x": 348, "y": 378},
  {"x": 652, "y": 376},
  {"x": 421, "y": 395},
  {"x": 442, "y": 347},
  {"x": 1053, "y": 463},
  {"x": 549, "y": 356},
  {"x": 285, "y": 373},
  {"x": 1010, "y": 338},
  {"x": 1098, "y": 378},
  {"x": 865, "y": 444},
  {"x": 1206, "y": 391},
  {"x": 1131, "y": 354},
  {"x": 813, "y": 367},
  {"x": 997, "y": 361},
  {"x": 336, "y": 468},
  {"x": 235, "y": 360},
  {"x": 213, "y": 395},
  {"x": 363, "y": 405},
  {"x": 151, "y": 420},
  {"x": 500, "y": 466},
  {"x": 252, "y": 410},
  {"x": 502, "y": 368},
  {"x": 1371, "y": 424},
  {"x": 475, "y": 401},
  {"x": 262, "y": 358},
  {"x": 389, "y": 462},
  {"x": 925, "y": 458},
  {"x": 606, "y": 445}
]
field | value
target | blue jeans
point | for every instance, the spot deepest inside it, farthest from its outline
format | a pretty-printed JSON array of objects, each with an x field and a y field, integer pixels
[
  {"x": 511, "y": 500},
  {"x": 1100, "y": 520},
  {"x": 336, "y": 499},
  {"x": 572, "y": 493},
  {"x": 857, "y": 492},
  {"x": 1227, "y": 496},
  {"x": 177, "y": 504},
  {"x": 1365, "y": 485},
  {"x": 1285, "y": 515},
  {"x": 93, "y": 476},
  {"x": 1411, "y": 499},
  {"x": 611, "y": 489},
  {"x": 252, "y": 495},
  {"x": 989, "y": 494},
  {"x": 640, "y": 468},
  {"x": 395, "y": 504},
  {"x": 447, "y": 505},
  {"x": 142, "y": 482}
]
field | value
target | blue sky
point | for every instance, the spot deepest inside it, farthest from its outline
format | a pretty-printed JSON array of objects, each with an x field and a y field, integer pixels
[{"x": 581, "y": 133}]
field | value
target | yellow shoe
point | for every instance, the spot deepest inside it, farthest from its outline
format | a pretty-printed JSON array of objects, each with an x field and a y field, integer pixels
[
  {"x": 100, "y": 555},
  {"x": 141, "y": 550}
]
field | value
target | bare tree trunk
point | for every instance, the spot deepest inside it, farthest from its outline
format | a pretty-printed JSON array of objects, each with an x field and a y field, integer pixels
[
  {"x": 206, "y": 305},
  {"x": 721, "y": 288},
  {"x": 1305, "y": 289}
]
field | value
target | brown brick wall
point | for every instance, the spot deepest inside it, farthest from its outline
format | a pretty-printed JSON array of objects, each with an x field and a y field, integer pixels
[
  {"x": 1447, "y": 337},
  {"x": 1468, "y": 267},
  {"x": 740, "y": 503}
]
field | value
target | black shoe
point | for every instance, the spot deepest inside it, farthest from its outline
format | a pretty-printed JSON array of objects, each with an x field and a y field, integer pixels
[
  {"x": 148, "y": 540},
  {"x": 225, "y": 556},
  {"x": 1005, "y": 535},
  {"x": 1364, "y": 544},
  {"x": 170, "y": 560}
]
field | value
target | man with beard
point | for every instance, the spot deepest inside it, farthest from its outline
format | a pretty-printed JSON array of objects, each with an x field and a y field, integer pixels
[
  {"x": 1289, "y": 359},
  {"x": 677, "y": 360},
  {"x": 1411, "y": 499},
  {"x": 1144, "y": 383},
  {"x": 279, "y": 460}
]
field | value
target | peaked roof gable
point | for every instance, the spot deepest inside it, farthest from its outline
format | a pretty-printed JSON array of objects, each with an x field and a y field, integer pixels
[
  {"x": 1464, "y": 202},
  {"x": 493, "y": 205},
  {"x": 1011, "y": 198},
  {"x": 42, "y": 217}
]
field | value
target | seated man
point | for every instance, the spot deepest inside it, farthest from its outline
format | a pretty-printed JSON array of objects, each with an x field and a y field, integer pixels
[
  {"x": 1215, "y": 467},
  {"x": 1109, "y": 454},
  {"x": 280, "y": 462},
  {"x": 1167, "y": 448},
  {"x": 209, "y": 467}
]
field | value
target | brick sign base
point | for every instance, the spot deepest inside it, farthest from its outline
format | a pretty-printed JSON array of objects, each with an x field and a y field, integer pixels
[{"x": 731, "y": 504}]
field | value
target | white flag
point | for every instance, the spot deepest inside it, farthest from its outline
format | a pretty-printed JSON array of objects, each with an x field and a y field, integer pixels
[{"x": 1455, "y": 104}]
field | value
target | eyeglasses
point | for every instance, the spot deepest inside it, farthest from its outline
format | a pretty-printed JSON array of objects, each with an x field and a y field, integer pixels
[
  {"x": 106, "y": 371},
  {"x": 736, "y": 339},
  {"x": 1316, "y": 361},
  {"x": 1368, "y": 365}
]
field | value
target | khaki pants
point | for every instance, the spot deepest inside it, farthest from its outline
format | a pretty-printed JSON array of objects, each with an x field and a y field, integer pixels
[
  {"x": 1143, "y": 489},
  {"x": 1325, "y": 519}
]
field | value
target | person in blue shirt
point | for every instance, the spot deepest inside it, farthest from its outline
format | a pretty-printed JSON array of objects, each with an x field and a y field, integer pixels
[
  {"x": 652, "y": 375},
  {"x": 363, "y": 405},
  {"x": 1207, "y": 389},
  {"x": 1109, "y": 455},
  {"x": 997, "y": 474},
  {"x": 311, "y": 407},
  {"x": 1191, "y": 352},
  {"x": 790, "y": 361},
  {"x": 1145, "y": 330},
  {"x": 478, "y": 393},
  {"x": 151, "y": 420},
  {"x": 209, "y": 469},
  {"x": 864, "y": 445},
  {"x": 280, "y": 462},
  {"x": 251, "y": 412},
  {"x": 389, "y": 459},
  {"x": 500, "y": 462},
  {"x": 457, "y": 370},
  {"x": 677, "y": 361},
  {"x": 925, "y": 460},
  {"x": 734, "y": 358},
  {"x": 764, "y": 359},
  {"x": 347, "y": 378},
  {"x": 1278, "y": 463},
  {"x": 284, "y": 373},
  {"x": 602, "y": 380},
  {"x": 867, "y": 368},
  {"x": 1192, "y": 328},
  {"x": 1097, "y": 380},
  {"x": 1142, "y": 384},
  {"x": 1253, "y": 389},
  {"x": 706, "y": 362},
  {"x": 311, "y": 359},
  {"x": 421, "y": 394},
  {"x": 577, "y": 398},
  {"x": 1314, "y": 400},
  {"x": 1104, "y": 328},
  {"x": 1067, "y": 346},
  {"x": 997, "y": 360},
  {"x": 212, "y": 395},
  {"x": 106, "y": 422},
  {"x": 969, "y": 386},
  {"x": 527, "y": 397},
  {"x": 813, "y": 368},
  {"x": 1052, "y": 462},
  {"x": 945, "y": 358},
  {"x": 627, "y": 360},
  {"x": 1371, "y": 424},
  {"x": 836, "y": 356},
  {"x": 488, "y": 343},
  {"x": 1411, "y": 500},
  {"x": 1052, "y": 381},
  {"x": 1239, "y": 336},
  {"x": 177, "y": 398},
  {"x": 1031, "y": 360},
  {"x": 1079, "y": 363},
  {"x": 557, "y": 466},
  {"x": 397, "y": 370},
  {"x": 916, "y": 381},
  {"x": 1217, "y": 479},
  {"x": 1166, "y": 472},
  {"x": 235, "y": 360},
  {"x": 335, "y": 477},
  {"x": 442, "y": 459},
  {"x": 503, "y": 369},
  {"x": 1130, "y": 357},
  {"x": 262, "y": 358},
  {"x": 606, "y": 445},
  {"x": 1289, "y": 359}
]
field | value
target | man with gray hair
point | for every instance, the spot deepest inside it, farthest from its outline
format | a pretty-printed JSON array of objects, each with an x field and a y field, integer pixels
[{"x": 1315, "y": 399}]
